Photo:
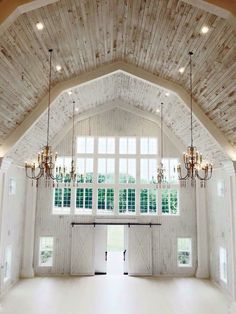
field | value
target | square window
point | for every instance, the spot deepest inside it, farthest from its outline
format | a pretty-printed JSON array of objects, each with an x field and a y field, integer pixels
[
  {"x": 85, "y": 145},
  {"x": 148, "y": 201},
  {"x": 106, "y": 145},
  {"x": 106, "y": 170},
  {"x": 106, "y": 199},
  {"x": 170, "y": 201},
  {"x": 126, "y": 200},
  {"x": 127, "y": 145},
  {"x": 127, "y": 170},
  {"x": 148, "y": 146}
]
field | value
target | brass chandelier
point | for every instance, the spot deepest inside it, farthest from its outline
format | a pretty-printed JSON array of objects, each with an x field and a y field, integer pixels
[
  {"x": 46, "y": 158},
  {"x": 161, "y": 169},
  {"x": 62, "y": 173},
  {"x": 193, "y": 161}
]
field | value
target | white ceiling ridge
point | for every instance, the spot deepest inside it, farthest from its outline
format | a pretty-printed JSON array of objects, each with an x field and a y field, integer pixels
[
  {"x": 111, "y": 69},
  {"x": 21, "y": 9},
  {"x": 121, "y": 104}
]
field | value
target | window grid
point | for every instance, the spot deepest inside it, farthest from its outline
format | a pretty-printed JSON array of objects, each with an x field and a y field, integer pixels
[
  {"x": 127, "y": 201},
  {"x": 148, "y": 201},
  {"x": 112, "y": 180},
  {"x": 184, "y": 256},
  {"x": 46, "y": 251},
  {"x": 62, "y": 201},
  {"x": 84, "y": 199}
]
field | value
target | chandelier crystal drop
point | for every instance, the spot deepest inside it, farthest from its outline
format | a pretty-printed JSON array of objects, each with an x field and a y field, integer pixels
[
  {"x": 161, "y": 170},
  {"x": 193, "y": 161},
  {"x": 46, "y": 158},
  {"x": 62, "y": 175}
]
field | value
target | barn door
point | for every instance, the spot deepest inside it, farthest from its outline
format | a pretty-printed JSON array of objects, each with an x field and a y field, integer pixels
[
  {"x": 100, "y": 249},
  {"x": 82, "y": 250},
  {"x": 140, "y": 250}
]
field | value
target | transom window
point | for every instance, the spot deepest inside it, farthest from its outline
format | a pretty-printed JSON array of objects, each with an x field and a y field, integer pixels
[{"x": 117, "y": 175}]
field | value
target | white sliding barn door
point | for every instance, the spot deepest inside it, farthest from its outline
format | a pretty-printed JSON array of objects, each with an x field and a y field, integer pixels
[
  {"x": 82, "y": 250},
  {"x": 100, "y": 249},
  {"x": 140, "y": 250}
]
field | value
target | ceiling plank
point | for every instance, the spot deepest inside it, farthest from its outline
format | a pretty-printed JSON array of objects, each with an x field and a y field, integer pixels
[{"x": 108, "y": 69}]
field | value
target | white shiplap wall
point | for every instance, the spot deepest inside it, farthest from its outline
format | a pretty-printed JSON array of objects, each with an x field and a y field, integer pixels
[
  {"x": 11, "y": 223},
  {"x": 118, "y": 122}
]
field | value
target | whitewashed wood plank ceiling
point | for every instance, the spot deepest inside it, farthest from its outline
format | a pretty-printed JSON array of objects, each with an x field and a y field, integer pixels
[
  {"x": 131, "y": 91},
  {"x": 154, "y": 35}
]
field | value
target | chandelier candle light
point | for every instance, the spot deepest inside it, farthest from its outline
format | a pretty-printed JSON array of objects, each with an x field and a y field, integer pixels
[
  {"x": 61, "y": 172},
  {"x": 193, "y": 161},
  {"x": 46, "y": 158},
  {"x": 160, "y": 170}
]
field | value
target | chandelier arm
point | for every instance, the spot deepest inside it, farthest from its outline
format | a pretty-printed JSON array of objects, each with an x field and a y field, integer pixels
[{"x": 180, "y": 177}]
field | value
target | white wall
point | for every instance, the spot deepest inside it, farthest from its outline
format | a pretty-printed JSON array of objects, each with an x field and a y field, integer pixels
[
  {"x": 118, "y": 122},
  {"x": 220, "y": 226},
  {"x": 11, "y": 222}
]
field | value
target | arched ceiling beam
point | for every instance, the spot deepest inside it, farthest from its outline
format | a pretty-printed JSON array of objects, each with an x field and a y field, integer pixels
[{"x": 108, "y": 69}]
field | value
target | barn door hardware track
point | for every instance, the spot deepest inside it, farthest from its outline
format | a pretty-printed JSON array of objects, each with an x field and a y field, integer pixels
[{"x": 114, "y": 224}]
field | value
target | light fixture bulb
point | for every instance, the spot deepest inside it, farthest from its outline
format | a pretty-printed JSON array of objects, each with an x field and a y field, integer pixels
[
  {"x": 58, "y": 68},
  {"x": 39, "y": 26},
  {"x": 181, "y": 70},
  {"x": 204, "y": 29}
]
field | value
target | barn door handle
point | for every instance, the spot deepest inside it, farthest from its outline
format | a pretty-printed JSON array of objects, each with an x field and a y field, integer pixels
[
  {"x": 124, "y": 255},
  {"x": 106, "y": 256}
]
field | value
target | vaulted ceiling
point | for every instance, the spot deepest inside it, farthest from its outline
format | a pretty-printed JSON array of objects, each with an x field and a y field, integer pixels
[{"x": 153, "y": 35}]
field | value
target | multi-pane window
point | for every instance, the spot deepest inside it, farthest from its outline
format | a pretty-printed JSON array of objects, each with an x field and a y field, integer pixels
[
  {"x": 105, "y": 201},
  {"x": 148, "y": 146},
  {"x": 84, "y": 171},
  {"x": 106, "y": 145},
  {"x": 170, "y": 166},
  {"x": 84, "y": 199},
  {"x": 113, "y": 173},
  {"x": 85, "y": 145},
  {"x": 46, "y": 251},
  {"x": 106, "y": 170},
  {"x": 148, "y": 170},
  {"x": 148, "y": 201},
  {"x": 127, "y": 200},
  {"x": 127, "y": 170},
  {"x": 7, "y": 263},
  {"x": 223, "y": 264},
  {"x": 169, "y": 201},
  {"x": 62, "y": 200},
  {"x": 63, "y": 165},
  {"x": 184, "y": 252},
  {"x": 127, "y": 145}
]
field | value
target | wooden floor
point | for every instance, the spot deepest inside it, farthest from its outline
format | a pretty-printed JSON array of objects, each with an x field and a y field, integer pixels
[{"x": 114, "y": 295}]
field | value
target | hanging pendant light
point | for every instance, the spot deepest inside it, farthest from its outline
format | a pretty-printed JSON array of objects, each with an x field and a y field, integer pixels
[
  {"x": 64, "y": 176},
  {"x": 193, "y": 161},
  {"x": 160, "y": 169},
  {"x": 46, "y": 158}
]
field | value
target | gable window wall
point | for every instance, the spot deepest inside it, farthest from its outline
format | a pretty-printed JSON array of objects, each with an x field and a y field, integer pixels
[{"x": 117, "y": 175}]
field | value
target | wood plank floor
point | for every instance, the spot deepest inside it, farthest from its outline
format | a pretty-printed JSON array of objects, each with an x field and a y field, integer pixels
[{"x": 114, "y": 295}]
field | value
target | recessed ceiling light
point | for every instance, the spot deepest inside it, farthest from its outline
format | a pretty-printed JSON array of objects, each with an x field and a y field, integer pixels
[
  {"x": 39, "y": 26},
  {"x": 204, "y": 29},
  {"x": 58, "y": 67},
  {"x": 181, "y": 70},
  {"x": 70, "y": 92},
  {"x": 167, "y": 94},
  {"x": 158, "y": 110},
  {"x": 76, "y": 109}
]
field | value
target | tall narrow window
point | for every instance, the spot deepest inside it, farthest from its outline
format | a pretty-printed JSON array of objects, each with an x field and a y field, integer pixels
[
  {"x": 223, "y": 264},
  {"x": 127, "y": 200},
  {"x": 106, "y": 145},
  {"x": 148, "y": 146},
  {"x": 46, "y": 251},
  {"x": 106, "y": 170},
  {"x": 127, "y": 145},
  {"x": 184, "y": 252},
  {"x": 105, "y": 199},
  {"x": 62, "y": 200},
  {"x": 84, "y": 200},
  {"x": 85, "y": 145},
  {"x": 127, "y": 170},
  {"x": 148, "y": 201},
  {"x": 170, "y": 166},
  {"x": 7, "y": 263},
  {"x": 169, "y": 201},
  {"x": 84, "y": 170},
  {"x": 148, "y": 169}
]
